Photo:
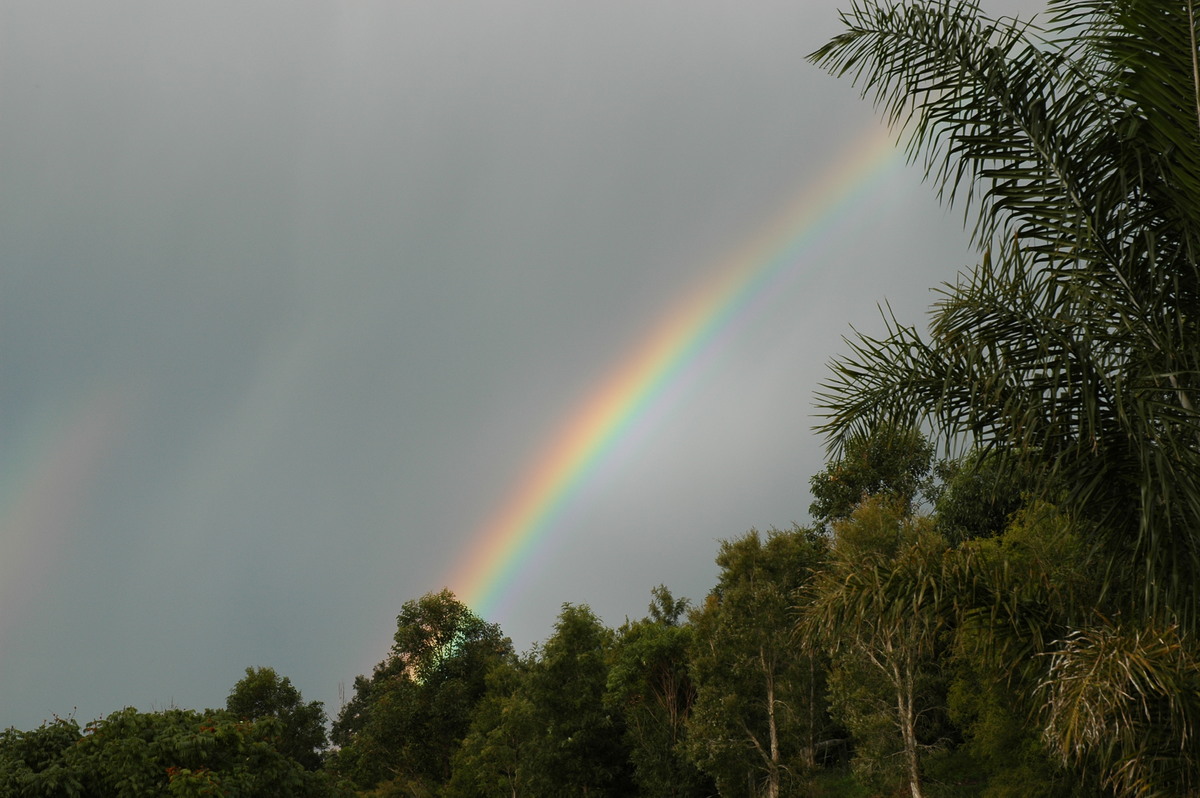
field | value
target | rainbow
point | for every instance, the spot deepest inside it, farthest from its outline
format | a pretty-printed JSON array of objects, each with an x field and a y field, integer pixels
[
  {"x": 507, "y": 542},
  {"x": 46, "y": 485}
]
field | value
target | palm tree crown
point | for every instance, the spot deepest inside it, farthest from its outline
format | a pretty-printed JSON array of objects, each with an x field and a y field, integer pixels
[{"x": 1073, "y": 349}]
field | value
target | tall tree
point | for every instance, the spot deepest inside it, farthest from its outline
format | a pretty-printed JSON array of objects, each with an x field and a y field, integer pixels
[
  {"x": 263, "y": 693},
  {"x": 580, "y": 747},
  {"x": 498, "y": 758},
  {"x": 649, "y": 684},
  {"x": 1017, "y": 594},
  {"x": 406, "y": 721},
  {"x": 882, "y": 599},
  {"x": 759, "y": 714}
]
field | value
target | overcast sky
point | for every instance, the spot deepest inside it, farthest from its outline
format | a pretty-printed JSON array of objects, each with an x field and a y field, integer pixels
[{"x": 293, "y": 294}]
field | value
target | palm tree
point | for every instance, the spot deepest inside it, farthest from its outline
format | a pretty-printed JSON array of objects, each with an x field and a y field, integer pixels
[
  {"x": 1141, "y": 731},
  {"x": 1072, "y": 351},
  {"x": 1074, "y": 346}
]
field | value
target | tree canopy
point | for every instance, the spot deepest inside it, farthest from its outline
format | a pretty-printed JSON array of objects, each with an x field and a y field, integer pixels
[
  {"x": 405, "y": 722},
  {"x": 263, "y": 693}
]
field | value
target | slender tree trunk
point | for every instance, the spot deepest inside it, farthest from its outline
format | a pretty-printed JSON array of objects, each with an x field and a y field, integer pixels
[
  {"x": 772, "y": 730},
  {"x": 906, "y": 707},
  {"x": 810, "y": 750}
]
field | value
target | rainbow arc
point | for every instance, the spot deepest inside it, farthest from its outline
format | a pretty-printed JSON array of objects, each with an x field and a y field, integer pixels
[{"x": 508, "y": 540}]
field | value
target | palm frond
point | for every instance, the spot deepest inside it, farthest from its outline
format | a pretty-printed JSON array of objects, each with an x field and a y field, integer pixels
[
  {"x": 1073, "y": 349},
  {"x": 1128, "y": 699}
]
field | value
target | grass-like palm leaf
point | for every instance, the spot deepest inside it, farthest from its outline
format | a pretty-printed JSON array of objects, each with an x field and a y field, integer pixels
[{"x": 1133, "y": 697}]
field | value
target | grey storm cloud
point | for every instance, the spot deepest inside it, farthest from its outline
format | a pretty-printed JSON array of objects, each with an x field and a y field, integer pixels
[{"x": 328, "y": 276}]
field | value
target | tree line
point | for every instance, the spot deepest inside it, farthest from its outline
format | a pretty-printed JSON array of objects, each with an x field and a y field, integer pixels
[
  {"x": 909, "y": 641},
  {"x": 996, "y": 595}
]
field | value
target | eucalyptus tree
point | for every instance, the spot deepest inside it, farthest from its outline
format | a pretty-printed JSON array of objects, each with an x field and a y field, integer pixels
[
  {"x": 579, "y": 748},
  {"x": 759, "y": 714},
  {"x": 651, "y": 687},
  {"x": 1017, "y": 593},
  {"x": 499, "y": 756},
  {"x": 1072, "y": 350},
  {"x": 882, "y": 607},
  {"x": 544, "y": 726},
  {"x": 891, "y": 461}
]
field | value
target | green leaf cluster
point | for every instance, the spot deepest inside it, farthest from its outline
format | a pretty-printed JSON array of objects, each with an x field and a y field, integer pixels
[
  {"x": 175, "y": 752},
  {"x": 265, "y": 694},
  {"x": 405, "y": 722}
]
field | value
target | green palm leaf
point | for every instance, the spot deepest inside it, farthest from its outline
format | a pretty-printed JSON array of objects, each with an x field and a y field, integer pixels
[{"x": 1073, "y": 349}]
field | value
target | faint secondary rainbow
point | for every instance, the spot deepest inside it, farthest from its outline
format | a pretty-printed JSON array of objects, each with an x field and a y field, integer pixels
[
  {"x": 43, "y": 486},
  {"x": 488, "y": 570}
]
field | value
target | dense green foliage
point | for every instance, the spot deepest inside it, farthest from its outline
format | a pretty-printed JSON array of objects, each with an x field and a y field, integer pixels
[
  {"x": 265, "y": 694},
  {"x": 891, "y": 461},
  {"x": 176, "y": 752},
  {"x": 1017, "y": 621},
  {"x": 881, "y": 607},
  {"x": 759, "y": 711},
  {"x": 651, "y": 685},
  {"x": 404, "y": 723},
  {"x": 580, "y": 744}
]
